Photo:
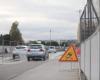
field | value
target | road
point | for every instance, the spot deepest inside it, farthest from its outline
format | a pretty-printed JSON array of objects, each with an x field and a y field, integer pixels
[
  {"x": 55, "y": 55},
  {"x": 51, "y": 70},
  {"x": 10, "y": 69}
]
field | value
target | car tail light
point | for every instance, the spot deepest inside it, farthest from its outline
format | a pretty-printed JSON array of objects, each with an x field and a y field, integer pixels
[{"x": 41, "y": 50}]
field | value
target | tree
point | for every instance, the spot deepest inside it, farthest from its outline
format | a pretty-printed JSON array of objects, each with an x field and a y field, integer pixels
[
  {"x": 43, "y": 42},
  {"x": 65, "y": 44},
  {"x": 15, "y": 33},
  {"x": 6, "y": 39},
  {"x": 1, "y": 38},
  {"x": 52, "y": 43},
  {"x": 33, "y": 42}
]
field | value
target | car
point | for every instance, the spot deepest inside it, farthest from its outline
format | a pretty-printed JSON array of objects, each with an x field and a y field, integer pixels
[
  {"x": 52, "y": 49},
  {"x": 19, "y": 51},
  {"x": 37, "y": 51},
  {"x": 65, "y": 48}
]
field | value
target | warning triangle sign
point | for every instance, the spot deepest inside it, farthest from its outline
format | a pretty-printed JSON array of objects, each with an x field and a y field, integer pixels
[{"x": 69, "y": 55}]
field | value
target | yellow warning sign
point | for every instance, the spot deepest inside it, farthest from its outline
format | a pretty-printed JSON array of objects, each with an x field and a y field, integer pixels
[{"x": 69, "y": 55}]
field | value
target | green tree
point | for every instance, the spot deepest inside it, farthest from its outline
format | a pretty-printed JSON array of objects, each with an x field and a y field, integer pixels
[
  {"x": 43, "y": 42},
  {"x": 1, "y": 38},
  {"x": 14, "y": 33},
  {"x": 33, "y": 42},
  {"x": 6, "y": 39},
  {"x": 52, "y": 43}
]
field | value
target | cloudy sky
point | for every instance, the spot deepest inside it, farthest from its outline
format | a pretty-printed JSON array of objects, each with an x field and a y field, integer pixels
[{"x": 37, "y": 17}]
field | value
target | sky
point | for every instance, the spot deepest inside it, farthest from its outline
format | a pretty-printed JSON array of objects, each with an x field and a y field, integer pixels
[{"x": 37, "y": 17}]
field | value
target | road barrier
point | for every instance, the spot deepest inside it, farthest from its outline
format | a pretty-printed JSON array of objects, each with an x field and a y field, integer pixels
[{"x": 90, "y": 56}]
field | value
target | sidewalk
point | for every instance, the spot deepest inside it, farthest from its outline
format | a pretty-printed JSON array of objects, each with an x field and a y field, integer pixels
[
  {"x": 52, "y": 70},
  {"x": 9, "y": 60},
  {"x": 4, "y": 59}
]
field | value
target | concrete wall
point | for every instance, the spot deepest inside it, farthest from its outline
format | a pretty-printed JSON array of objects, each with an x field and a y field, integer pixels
[
  {"x": 82, "y": 57},
  {"x": 87, "y": 59},
  {"x": 95, "y": 57},
  {"x": 90, "y": 56}
]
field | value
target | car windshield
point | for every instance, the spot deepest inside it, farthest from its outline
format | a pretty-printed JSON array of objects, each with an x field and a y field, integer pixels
[{"x": 35, "y": 46}]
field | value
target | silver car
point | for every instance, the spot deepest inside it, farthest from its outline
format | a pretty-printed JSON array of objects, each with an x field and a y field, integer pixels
[
  {"x": 52, "y": 49},
  {"x": 37, "y": 51},
  {"x": 19, "y": 51}
]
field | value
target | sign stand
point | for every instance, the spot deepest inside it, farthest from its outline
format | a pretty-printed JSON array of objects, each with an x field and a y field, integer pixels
[{"x": 71, "y": 66}]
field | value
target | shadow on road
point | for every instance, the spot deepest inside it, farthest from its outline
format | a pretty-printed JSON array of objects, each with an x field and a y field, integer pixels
[{"x": 83, "y": 76}]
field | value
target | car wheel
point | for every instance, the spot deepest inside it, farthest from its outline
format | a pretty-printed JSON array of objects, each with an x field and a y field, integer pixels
[
  {"x": 28, "y": 58},
  {"x": 33, "y": 59},
  {"x": 14, "y": 56}
]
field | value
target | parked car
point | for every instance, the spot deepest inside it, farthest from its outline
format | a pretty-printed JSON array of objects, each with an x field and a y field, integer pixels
[
  {"x": 52, "y": 49},
  {"x": 19, "y": 50},
  {"x": 37, "y": 51}
]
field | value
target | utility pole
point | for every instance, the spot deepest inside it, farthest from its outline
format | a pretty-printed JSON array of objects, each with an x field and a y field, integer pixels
[
  {"x": 50, "y": 36},
  {"x": 2, "y": 49}
]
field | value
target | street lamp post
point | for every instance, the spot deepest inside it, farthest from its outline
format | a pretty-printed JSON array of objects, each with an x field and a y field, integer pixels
[
  {"x": 50, "y": 36},
  {"x": 2, "y": 48}
]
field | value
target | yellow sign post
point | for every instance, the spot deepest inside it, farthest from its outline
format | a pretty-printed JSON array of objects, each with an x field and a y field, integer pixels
[{"x": 69, "y": 55}]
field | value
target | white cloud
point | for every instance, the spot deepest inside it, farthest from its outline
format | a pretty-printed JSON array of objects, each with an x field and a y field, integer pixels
[{"x": 38, "y": 16}]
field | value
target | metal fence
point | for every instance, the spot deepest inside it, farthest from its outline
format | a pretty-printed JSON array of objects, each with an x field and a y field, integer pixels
[{"x": 88, "y": 21}]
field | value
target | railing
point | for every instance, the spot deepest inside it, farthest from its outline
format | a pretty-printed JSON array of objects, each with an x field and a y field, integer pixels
[{"x": 88, "y": 21}]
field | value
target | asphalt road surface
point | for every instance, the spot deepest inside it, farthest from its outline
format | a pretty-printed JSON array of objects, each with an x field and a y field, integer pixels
[{"x": 10, "y": 71}]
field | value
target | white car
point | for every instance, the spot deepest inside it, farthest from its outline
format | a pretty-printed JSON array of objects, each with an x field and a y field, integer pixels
[
  {"x": 52, "y": 49},
  {"x": 19, "y": 51},
  {"x": 37, "y": 51}
]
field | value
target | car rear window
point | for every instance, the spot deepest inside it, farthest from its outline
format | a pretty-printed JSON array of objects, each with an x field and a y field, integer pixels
[
  {"x": 20, "y": 47},
  {"x": 51, "y": 47},
  {"x": 35, "y": 46}
]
